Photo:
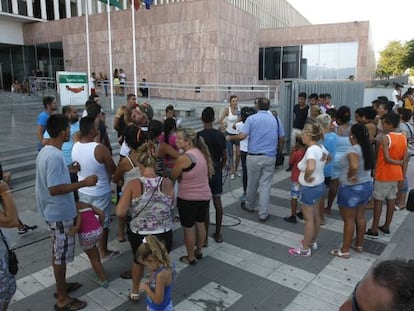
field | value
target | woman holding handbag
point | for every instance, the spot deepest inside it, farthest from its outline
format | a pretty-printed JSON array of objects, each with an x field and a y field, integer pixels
[
  {"x": 146, "y": 202},
  {"x": 8, "y": 219}
]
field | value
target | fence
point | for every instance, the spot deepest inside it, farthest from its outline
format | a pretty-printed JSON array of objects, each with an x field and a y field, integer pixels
[{"x": 349, "y": 93}]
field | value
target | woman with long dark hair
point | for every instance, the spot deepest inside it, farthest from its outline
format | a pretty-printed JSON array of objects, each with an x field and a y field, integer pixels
[{"x": 355, "y": 188}]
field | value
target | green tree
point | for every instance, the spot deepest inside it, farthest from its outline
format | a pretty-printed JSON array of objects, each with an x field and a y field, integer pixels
[
  {"x": 392, "y": 59},
  {"x": 409, "y": 56}
]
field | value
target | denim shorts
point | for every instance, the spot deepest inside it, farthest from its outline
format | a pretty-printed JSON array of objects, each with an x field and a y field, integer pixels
[
  {"x": 310, "y": 195},
  {"x": 352, "y": 196},
  {"x": 295, "y": 190}
]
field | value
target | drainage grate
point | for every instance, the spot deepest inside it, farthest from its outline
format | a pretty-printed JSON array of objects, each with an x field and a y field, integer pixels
[{"x": 374, "y": 247}]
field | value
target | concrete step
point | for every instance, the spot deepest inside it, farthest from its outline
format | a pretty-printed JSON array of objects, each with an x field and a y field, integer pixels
[
  {"x": 9, "y": 153},
  {"x": 21, "y": 162}
]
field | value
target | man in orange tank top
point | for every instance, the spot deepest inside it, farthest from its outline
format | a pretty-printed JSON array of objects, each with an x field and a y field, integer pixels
[{"x": 390, "y": 170}]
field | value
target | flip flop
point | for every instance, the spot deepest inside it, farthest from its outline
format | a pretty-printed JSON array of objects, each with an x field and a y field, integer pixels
[
  {"x": 338, "y": 253},
  {"x": 74, "y": 305},
  {"x": 111, "y": 255},
  {"x": 184, "y": 259},
  {"x": 70, "y": 287}
]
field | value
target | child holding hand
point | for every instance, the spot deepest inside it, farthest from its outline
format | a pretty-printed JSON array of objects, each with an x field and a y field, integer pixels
[
  {"x": 89, "y": 228},
  {"x": 153, "y": 254}
]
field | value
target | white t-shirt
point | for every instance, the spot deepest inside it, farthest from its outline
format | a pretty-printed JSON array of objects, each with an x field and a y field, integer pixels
[
  {"x": 243, "y": 143},
  {"x": 92, "y": 82},
  {"x": 320, "y": 155},
  {"x": 398, "y": 103}
]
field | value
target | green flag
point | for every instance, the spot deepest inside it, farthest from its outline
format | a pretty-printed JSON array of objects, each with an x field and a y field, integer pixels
[{"x": 115, "y": 3}]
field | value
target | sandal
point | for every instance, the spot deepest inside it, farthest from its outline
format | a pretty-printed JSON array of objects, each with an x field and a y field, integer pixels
[
  {"x": 103, "y": 284},
  {"x": 70, "y": 287},
  {"x": 133, "y": 297},
  {"x": 198, "y": 255},
  {"x": 337, "y": 252},
  {"x": 184, "y": 259},
  {"x": 358, "y": 249},
  {"x": 74, "y": 305}
]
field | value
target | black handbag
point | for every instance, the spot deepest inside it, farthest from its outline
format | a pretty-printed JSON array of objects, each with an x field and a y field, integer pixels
[
  {"x": 13, "y": 262},
  {"x": 280, "y": 158}
]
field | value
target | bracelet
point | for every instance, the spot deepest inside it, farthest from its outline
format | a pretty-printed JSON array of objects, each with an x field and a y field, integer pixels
[{"x": 3, "y": 193}]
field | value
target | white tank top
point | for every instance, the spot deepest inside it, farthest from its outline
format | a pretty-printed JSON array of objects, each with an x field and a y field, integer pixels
[
  {"x": 231, "y": 119},
  {"x": 84, "y": 154}
]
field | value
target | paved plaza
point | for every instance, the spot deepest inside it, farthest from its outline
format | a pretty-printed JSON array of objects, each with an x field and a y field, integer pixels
[{"x": 250, "y": 270}]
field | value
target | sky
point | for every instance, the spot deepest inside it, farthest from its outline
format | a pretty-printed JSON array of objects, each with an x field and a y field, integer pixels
[{"x": 389, "y": 20}]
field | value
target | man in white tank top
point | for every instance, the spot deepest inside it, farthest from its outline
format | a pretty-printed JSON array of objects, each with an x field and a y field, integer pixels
[{"x": 95, "y": 159}]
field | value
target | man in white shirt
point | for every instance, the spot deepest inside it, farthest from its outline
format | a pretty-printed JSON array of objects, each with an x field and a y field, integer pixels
[{"x": 396, "y": 96}]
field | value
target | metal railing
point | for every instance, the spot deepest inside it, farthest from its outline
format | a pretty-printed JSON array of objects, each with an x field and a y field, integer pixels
[{"x": 179, "y": 92}]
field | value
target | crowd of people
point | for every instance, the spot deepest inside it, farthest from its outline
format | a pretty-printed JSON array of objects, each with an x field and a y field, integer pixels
[{"x": 163, "y": 167}]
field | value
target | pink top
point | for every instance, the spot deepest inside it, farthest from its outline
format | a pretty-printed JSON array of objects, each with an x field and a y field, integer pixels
[
  {"x": 194, "y": 184},
  {"x": 89, "y": 221},
  {"x": 168, "y": 161}
]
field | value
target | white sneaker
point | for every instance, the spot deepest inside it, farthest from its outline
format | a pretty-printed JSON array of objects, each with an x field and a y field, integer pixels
[
  {"x": 232, "y": 177},
  {"x": 313, "y": 245}
]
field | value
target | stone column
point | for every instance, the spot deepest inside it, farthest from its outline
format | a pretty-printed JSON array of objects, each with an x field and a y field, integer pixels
[
  {"x": 43, "y": 9},
  {"x": 56, "y": 9},
  {"x": 15, "y": 7},
  {"x": 79, "y": 6},
  {"x": 68, "y": 9},
  {"x": 29, "y": 5}
]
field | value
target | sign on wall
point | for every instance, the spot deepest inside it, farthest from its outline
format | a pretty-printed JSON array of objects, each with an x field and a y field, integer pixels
[{"x": 72, "y": 88}]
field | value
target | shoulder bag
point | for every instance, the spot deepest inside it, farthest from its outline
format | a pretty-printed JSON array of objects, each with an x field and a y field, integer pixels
[{"x": 13, "y": 262}]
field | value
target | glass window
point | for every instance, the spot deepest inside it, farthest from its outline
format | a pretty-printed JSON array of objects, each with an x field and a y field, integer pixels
[
  {"x": 290, "y": 65},
  {"x": 36, "y": 9},
  {"x": 329, "y": 60},
  {"x": 348, "y": 59},
  {"x": 261, "y": 63},
  {"x": 272, "y": 63}
]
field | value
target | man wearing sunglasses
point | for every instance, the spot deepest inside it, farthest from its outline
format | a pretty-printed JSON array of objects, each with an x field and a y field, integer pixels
[{"x": 388, "y": 287}]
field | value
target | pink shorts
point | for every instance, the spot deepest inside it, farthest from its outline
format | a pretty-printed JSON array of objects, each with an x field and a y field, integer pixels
[{"x": 88, "y": 240}]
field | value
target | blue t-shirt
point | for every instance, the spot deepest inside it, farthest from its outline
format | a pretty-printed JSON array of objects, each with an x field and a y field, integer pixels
[
  {"x": 51, "y": 170},
  {"x": 329, "y": 142},
  {"x": 262, "y": 130},
  {"x": 42, "y": 119},
  {"x": 68, "y": 145}
]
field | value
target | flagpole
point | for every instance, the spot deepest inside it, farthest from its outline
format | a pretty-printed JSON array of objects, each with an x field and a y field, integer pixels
[
  {"x": 108, "y": 10},
  {"x": 88, "y": 57},
  {"x": 134, "y": 45}
]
